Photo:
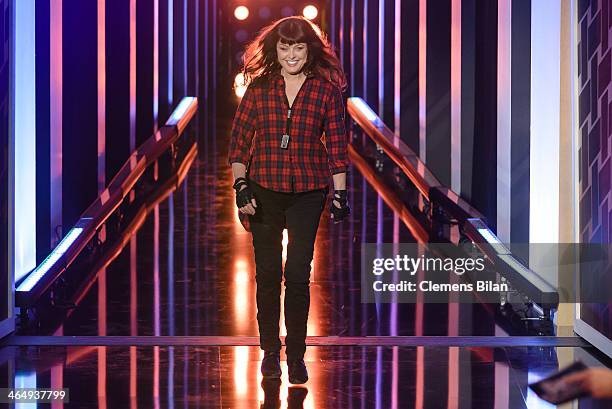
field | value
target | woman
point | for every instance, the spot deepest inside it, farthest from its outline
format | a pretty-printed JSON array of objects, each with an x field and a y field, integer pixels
[{"x": 294, "y": 94}]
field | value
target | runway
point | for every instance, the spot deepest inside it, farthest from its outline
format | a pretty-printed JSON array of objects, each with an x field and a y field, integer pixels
[
  {"x": 480, "y": 126},
  {"x": 171, "y": 321}
]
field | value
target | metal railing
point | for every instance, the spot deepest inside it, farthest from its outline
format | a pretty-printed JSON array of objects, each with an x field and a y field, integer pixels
[
  {"x": 471, "y": 222},
  {"x": 41, "y": 278}
]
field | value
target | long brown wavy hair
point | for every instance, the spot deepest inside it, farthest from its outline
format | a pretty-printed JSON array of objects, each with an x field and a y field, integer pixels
[{"x": 260, "y": 60}]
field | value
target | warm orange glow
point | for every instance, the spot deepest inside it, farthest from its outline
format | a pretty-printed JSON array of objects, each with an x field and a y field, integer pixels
[
  {"x": 240, "y": 91},
  {"x": 242, "y": 270},
  {"x": 241, "y": 363},
  {"x": 285, "y": 242},
  {"x": 310, "y": 12},
  {"x": 239, "y": 79},
  {"x": 242, "y": 277},
  {"x": 241, "y": 298},
  {"x": 239, "y": 86},
  {"x": 237, "y": 223},
  {"x": 241, "y": 12},
  {"x": 102, "y": 375}
]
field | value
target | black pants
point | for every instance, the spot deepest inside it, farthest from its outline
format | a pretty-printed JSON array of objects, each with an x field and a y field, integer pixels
[{"x": 299, "y": 213}]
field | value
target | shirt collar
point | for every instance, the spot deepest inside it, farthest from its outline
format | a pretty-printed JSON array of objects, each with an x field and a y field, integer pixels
[{"x": 277, "y": 77}]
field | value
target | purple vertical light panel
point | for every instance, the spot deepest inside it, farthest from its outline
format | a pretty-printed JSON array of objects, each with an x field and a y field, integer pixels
[
  {"x": 155, "y": 64},
  {"x": 456, "y": 95},
  {"x": 365, "y": 48},
  {"x": 422, "y": 79},
  {"x": 341, "y": 37},
  {"x": 132, "y": 75},
  {"x": 101, "y": 95},
  {"x": 55, "y": 116},
  {"x": 185, "y": 45},
  {"x": 352, "y": 37},
  {"x": 381, "y": 57},
  {"x": 170, "y": 50}
]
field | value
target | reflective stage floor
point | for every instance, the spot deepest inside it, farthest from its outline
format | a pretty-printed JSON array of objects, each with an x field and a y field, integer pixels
[{"x": 341, "y": 377}]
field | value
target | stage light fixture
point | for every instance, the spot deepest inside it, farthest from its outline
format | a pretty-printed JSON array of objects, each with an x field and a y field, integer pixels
[
  {"x": 241, "y": 12},
  {"x": 240, "y": 91},
  {"x": 239, "y": 86},
  {"x": 239, "y": 79},
  {"x": 241, "y": 35},
  {"x": 265, "y": 12},
  {"x": 310, "y": 12},
  {"x": 287, "y": 11}
]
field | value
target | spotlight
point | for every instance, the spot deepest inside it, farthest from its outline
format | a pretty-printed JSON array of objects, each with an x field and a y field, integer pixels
[
  {"x": 287, "y": 11},
  {"x": 240, "y": 91},
  {"x": 241, "y": 12},
  {"x": 310, "y": 12},
  {"x": 241, "y": 35},
  {"x": 239, "y": 86},
  {"x": 239, "y": 79},
  {"x": 265, "y": 12}
]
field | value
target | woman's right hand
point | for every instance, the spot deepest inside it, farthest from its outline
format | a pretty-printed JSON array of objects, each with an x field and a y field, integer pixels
[
  {"x": 339, "y": 208},
  {"x": 245, "y": 200}
]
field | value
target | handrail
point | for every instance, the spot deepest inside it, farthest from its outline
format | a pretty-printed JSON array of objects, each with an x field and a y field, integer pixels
[
  {"x": 42, "y": 277},
  {"x": 524, "y": 279},
  {"x": 415, "y": 228},
  {"x": 470, "y": 220},
  {"x": 395, "y": 148},
  {"x": 161, "y": 193}
]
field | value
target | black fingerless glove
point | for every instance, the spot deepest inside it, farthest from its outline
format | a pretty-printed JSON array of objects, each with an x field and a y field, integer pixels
[
  {"x": 244, "y": 196},
  {"x": 339, "y": 213}
]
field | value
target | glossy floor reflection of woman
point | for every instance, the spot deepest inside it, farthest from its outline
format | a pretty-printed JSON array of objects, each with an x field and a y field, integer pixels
[
  {"x": 271, "y": 388},
  {"x": 282, "y": 169}
]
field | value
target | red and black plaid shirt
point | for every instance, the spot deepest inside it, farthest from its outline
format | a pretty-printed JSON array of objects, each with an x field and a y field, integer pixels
[{"x": 260, "y": 123}]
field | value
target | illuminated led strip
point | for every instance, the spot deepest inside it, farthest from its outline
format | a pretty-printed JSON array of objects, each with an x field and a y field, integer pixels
[
  {"x": 50, "y": 261},
  {"x": 493, "y": 240},
  {"x": 25, "y": 379},
  {"x": 364, "y": 108},
  {"x": 489, "y": 236},
  {"x": 180, "y": 111}
]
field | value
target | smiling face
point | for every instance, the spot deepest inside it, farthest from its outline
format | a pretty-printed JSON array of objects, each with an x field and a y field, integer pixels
[{"x": 292, "y": 57}]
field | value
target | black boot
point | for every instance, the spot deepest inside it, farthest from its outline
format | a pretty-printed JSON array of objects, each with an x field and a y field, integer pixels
[
  {"x": 297, "y": 371},
  {"x": 295, "y": 399},
  {"x": 270, "y": 365},
  {"x": 271, "y": 388}
]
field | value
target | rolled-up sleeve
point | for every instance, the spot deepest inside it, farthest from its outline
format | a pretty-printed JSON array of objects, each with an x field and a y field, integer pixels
[
  {"x": 243, "y": 129},
  {"x": 335, "y": 133}
]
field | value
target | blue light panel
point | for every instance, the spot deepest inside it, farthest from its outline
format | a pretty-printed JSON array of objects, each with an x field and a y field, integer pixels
[
  {"x": 24, "y": 121},
  {"x": 51, "y": 259}
]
